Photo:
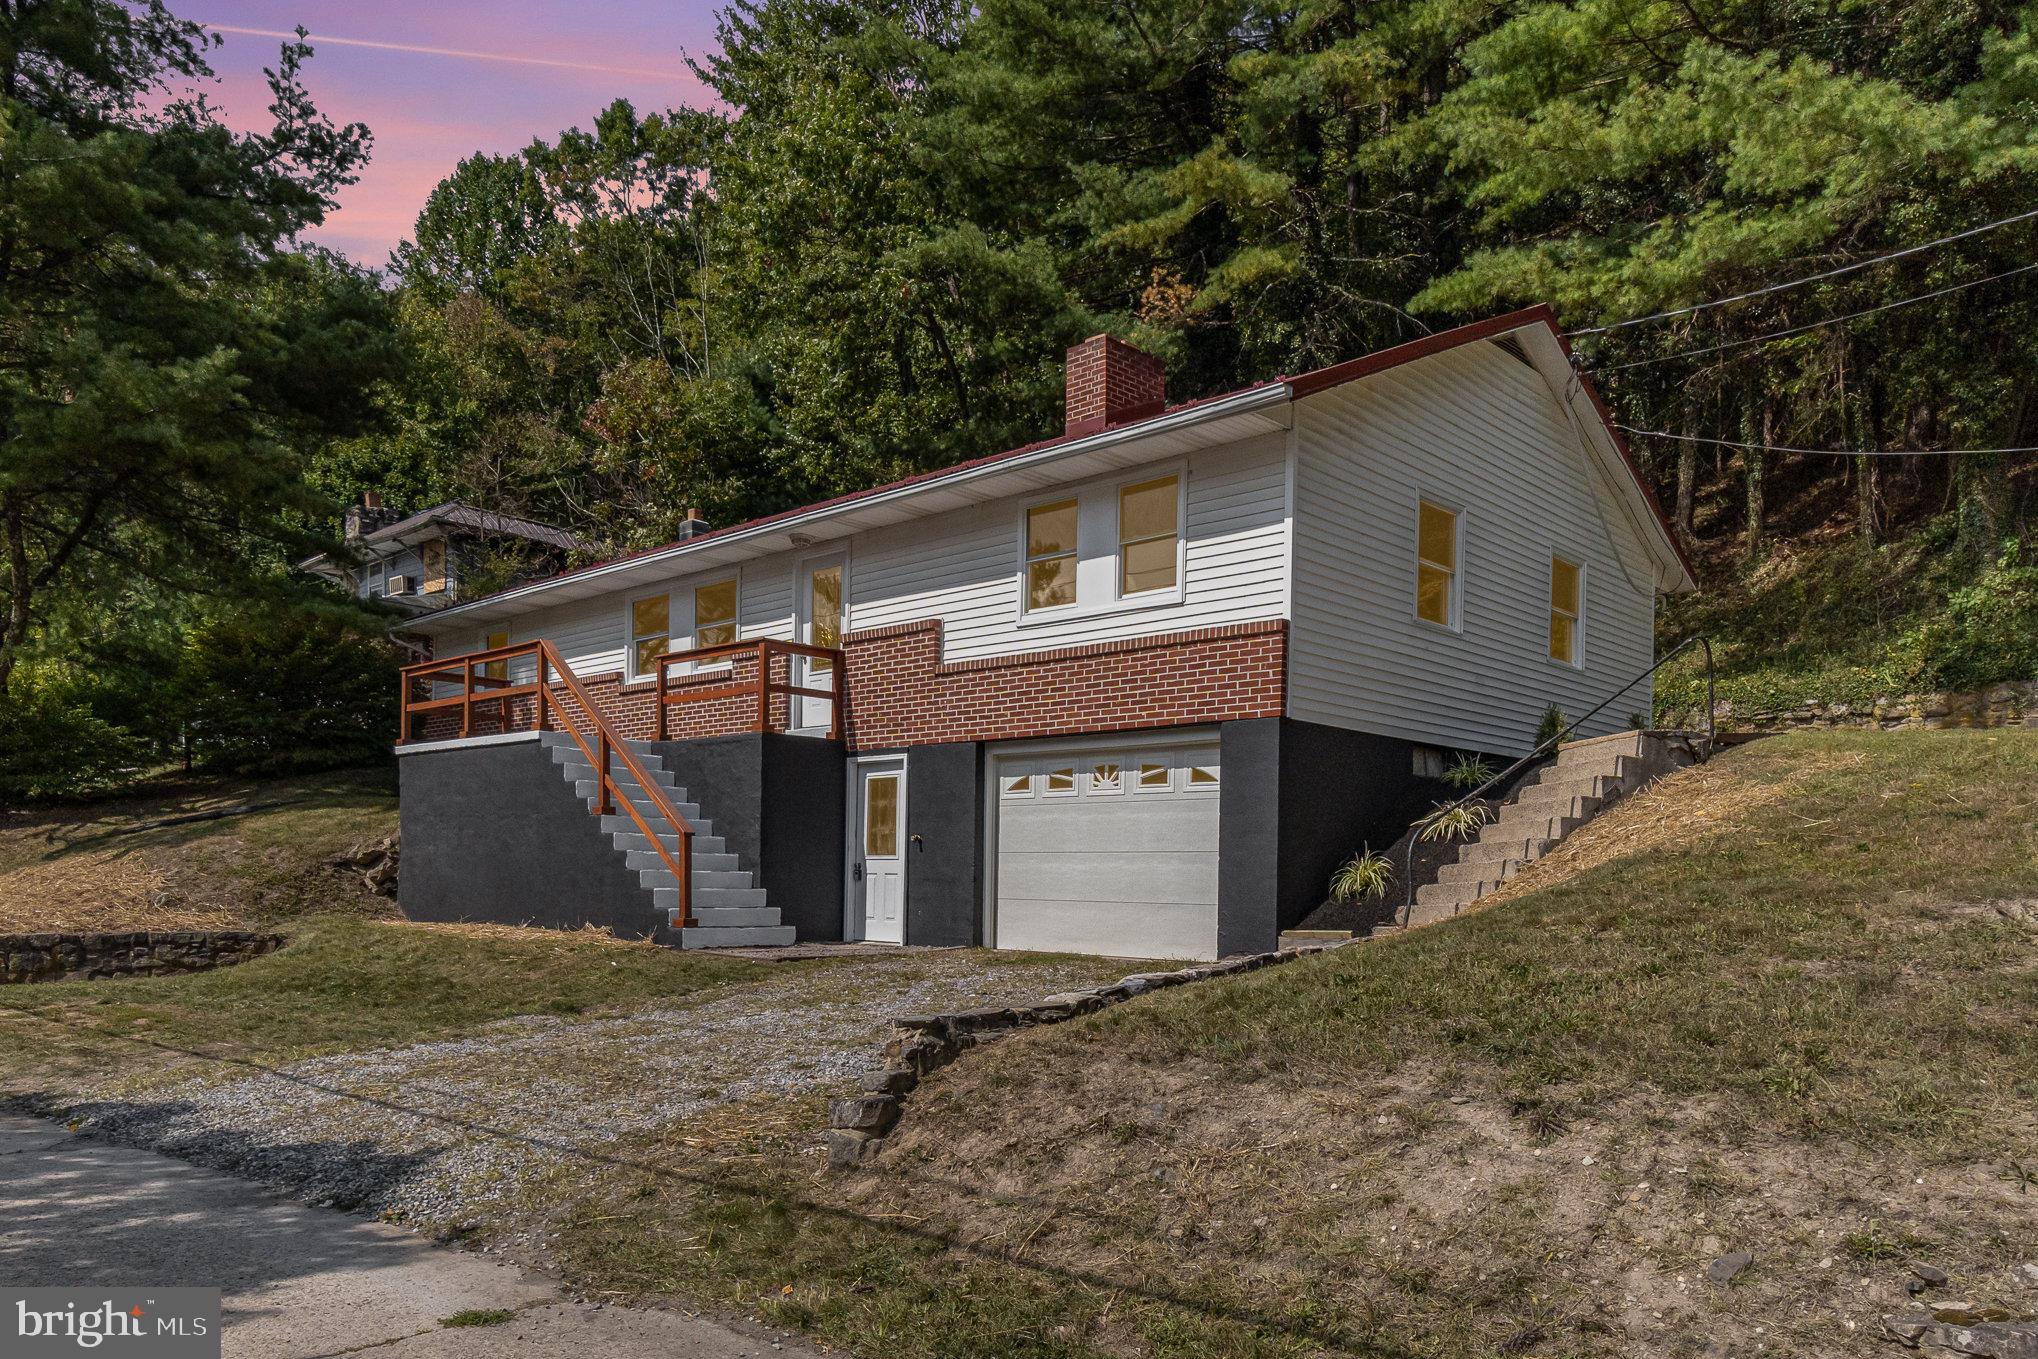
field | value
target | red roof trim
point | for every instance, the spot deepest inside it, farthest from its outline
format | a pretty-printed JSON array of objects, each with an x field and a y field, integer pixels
[{"x": 1381, "y": 360}]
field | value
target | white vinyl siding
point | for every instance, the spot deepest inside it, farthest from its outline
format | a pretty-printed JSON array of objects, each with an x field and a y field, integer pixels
[
  {"x": 964, "y": 567},
  {"x": 1476, "y": 430}
]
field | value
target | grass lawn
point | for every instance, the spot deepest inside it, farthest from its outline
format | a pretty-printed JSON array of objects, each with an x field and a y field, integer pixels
[
  {"x": 1799, "y": 1026},
  {"x": 341, "y": 984}
]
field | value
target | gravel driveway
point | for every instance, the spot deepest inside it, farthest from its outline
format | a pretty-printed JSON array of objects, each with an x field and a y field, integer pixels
[{"x": 449, "y": 1133}]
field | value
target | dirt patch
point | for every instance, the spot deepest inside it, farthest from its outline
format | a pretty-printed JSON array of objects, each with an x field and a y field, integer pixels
[{"x": 1489, "y": 1226}]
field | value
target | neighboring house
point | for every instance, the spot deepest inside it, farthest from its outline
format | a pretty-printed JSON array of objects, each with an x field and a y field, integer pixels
[
  {"x": 415, "y": 561},
  {"x": 1133, "y": 690}
]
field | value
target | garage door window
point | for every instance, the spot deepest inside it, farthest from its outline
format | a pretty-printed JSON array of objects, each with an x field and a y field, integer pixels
[
  {"x": 1154, "y": 775},
  {"x": 1202, "y": 776},
  {"x": 1017, "y": 784},
  {"x": 1061, "y": 781},
  {"x": 1107, "y": 777}
]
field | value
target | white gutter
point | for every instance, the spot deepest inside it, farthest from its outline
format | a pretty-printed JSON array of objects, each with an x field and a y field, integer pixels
[{"x": 1273, "y": 394}]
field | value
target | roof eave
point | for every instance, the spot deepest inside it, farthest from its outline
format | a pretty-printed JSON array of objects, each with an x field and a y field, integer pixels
[{"x": 1252, "y": 399}]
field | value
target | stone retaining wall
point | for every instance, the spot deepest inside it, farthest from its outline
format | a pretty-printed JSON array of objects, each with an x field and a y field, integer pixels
[
  {"x": 2003, "y": 705},
  {"x": 88, "y": 957},
  {"x": 926, "y": 1043}
]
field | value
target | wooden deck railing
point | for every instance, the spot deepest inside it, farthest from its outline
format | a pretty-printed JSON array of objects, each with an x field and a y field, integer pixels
[
  {"x": 484, "y": 677},
  {"x": 675, "y": 690}
]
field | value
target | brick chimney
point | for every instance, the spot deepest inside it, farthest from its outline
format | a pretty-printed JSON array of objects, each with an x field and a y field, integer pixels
[{"x": 1111, "y": 383}]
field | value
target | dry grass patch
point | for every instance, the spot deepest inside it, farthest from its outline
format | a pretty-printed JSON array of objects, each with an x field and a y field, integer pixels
[{"x": 109, "y": 866}]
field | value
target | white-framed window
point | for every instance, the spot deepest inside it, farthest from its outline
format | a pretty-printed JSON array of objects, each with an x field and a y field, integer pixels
[
  {"x": 1051, "y": 555},
  {"x": 650, "y": 634},
  {"x": 1153, "y": 774},
  {"x": 1202, "y": 778},
  {"x": 1567, "y": 611},
  {"x": 1015, "y": 782},
  {"x": 714, "y": 613},
  {"x": 1058, "y": 780},
  {"x": 1149, "y": 535},
  {"x": 376, "y": 579},
  {"x": 1438, "y": 534}
]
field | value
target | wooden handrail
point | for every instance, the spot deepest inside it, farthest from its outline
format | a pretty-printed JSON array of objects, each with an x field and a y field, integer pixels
[
  {"x": 761, "y": 686},
  {"x": 609, "y": 744}
]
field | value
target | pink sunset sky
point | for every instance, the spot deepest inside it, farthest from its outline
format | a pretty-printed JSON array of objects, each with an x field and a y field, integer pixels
[{"x": 437, "y": 82}]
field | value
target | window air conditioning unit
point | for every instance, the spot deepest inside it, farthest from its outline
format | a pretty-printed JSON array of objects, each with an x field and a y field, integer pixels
[{"x": 402, "y": 585}]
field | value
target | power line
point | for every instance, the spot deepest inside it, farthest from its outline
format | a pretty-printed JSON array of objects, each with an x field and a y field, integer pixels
[
  {"x": 1800, "y": 282},
  {"x": 1814, "y": 325},
  {"x": 1821, "y": 452}
]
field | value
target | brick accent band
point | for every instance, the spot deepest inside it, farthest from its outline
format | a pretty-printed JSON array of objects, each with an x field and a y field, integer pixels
[{"x": 901, "y": 692}]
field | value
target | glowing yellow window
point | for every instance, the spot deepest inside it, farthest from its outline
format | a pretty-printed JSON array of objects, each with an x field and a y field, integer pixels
[
  {"x": 1148, "y": 530},
  {"x": 1436, "y": 565},
  {"x": 1565, "y": 601},
  {"x": 1061, "y": 779},
  {"x": 1019, "y": 785},
  {"x": 881, "y": 816},
  {"x": 1051, "y": 555},
  {"x": 714, "y": 613},
  {"x": 1153, "y": 775},
  {"x": 824, "y": 591},
  {"x": 650, "y": 633},
  {"x": 1106, "y": 778},
  {"x": 1202, "y": 776},
  {"x": 496, "y": 669}
]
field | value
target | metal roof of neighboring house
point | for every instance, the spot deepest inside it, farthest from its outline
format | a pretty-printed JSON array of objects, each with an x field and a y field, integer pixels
[
  {"x": 458, "y": 514},
  {"x": 1537, "y": 324}
]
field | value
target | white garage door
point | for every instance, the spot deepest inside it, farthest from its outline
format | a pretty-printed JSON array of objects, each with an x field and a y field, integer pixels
[{"x": 1111, "y": 852}]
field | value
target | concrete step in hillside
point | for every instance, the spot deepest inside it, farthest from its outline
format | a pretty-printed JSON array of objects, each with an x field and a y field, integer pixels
[
  {"x": 1586, "y": 778},
  {"x": 728, "y": 908}
]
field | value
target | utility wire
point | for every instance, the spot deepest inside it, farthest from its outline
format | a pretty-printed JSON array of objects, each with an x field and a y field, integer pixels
[
  {"x": 1814, "y": 325},
  {"x": 1821, "y": 452},
  {"x": 1800, "y": 282}
]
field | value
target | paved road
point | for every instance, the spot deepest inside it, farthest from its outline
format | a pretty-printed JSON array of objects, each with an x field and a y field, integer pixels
[{"x": 299, "y": 1282}]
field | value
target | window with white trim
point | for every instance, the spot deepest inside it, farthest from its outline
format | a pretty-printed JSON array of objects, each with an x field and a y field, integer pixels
[
  {"x": 1567, "y": 607},
  {"x": 1436, "y": 564},
  {"x": 1149, "y": 535},
  {"x": 650, "y": 634},
  {"x": 1051, "y": 555},
  {"x": 714, "y": 613}
]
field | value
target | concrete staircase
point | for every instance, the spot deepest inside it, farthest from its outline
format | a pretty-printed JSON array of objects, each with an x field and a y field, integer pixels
[
  {"x": 729, "y": 910},
  {"x": 1587, "y": 777}
]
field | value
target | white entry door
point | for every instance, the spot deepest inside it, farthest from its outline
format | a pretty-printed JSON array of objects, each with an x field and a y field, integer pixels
[
  {"x": 820, "y": 625},
  {"x": 878, "y": 873}
]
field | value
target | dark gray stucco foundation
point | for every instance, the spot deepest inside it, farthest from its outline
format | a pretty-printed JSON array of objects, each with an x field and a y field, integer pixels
[
  {"x": 778, "y": 802},
  {"x": 1297, "y": 800},
  {"x": 492, "y": 833}
]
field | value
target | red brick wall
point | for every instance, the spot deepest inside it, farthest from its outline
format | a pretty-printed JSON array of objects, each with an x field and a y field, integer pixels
[{"x": 902, "y": 693}]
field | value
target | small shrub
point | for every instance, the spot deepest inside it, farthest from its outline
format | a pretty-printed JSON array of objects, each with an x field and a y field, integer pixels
[
  {"x": 276, "y": 689},
  {"x": 1455, "y": 823},
  {"x": 1468, "y": 772},
  {"x": 52, "y": 746},
  {"x": 1365, "y": 874},
  {"x": 1988, "y": 631},
  {"x": 1551, "y": 726},
  {"x": 1637, "y": 722}
]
